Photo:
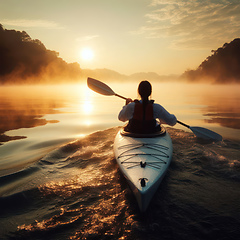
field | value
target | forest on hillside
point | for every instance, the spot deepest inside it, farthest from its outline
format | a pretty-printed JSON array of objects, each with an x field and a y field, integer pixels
[
  {"x": 23, "y": 59},
  {"x": 223, "y": 66},
  {"x": 26, "y": 60}
]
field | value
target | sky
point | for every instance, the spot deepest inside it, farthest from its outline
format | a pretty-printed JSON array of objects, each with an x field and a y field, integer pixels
[{"x": 127, "y": 36}]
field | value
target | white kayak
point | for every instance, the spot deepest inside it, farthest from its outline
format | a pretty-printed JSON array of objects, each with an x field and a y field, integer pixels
[{"x": 143, "y": 159}]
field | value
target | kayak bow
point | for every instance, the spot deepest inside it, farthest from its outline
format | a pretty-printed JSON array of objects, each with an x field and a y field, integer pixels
[{"x": 144, "y": 162}]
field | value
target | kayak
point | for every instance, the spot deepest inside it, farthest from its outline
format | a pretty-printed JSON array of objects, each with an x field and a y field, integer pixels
[{"x": 143, "y": 160}]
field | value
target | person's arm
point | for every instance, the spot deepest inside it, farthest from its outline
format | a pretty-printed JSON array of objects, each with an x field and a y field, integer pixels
[
  {"x": 128, "y": 100},
  {"x": 163, "y": 115},
  {"x": 127, "y": 112}
]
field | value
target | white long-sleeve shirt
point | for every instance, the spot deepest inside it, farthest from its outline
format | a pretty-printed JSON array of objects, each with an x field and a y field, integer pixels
[{"x": 159, "y": 112}]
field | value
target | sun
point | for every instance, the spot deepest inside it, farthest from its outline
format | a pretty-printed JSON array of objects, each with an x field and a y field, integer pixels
[{"x": 87, "y": 54}]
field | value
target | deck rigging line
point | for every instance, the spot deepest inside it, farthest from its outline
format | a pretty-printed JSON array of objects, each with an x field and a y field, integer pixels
[{"x": 159, "y": 154}]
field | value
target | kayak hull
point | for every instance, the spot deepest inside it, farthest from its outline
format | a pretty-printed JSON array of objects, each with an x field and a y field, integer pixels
[{"x": 144, "y": 162}]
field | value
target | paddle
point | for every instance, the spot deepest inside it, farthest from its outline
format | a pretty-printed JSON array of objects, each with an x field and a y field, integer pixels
[
  {"x": 104, "y": 89},
  {"x": 101, "y": 88},
  {"x": 203, "y": 132}
]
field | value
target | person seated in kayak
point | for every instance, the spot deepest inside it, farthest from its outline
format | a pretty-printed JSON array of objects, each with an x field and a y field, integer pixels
[{"x": 142, "y": 114}]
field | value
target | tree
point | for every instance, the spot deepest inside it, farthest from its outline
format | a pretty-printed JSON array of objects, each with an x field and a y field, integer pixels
[
  {"x": 221, "y": 67},
  {"x": 22, "y": 58}
]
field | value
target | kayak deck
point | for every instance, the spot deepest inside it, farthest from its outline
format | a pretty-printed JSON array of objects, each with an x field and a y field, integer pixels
[
  {"x": 143, "y": 162},
  {"x": 128, "y": 153}
]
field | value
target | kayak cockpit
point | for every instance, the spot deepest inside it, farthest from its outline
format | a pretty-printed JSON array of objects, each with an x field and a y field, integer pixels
[{"x": 143, "y": 135}]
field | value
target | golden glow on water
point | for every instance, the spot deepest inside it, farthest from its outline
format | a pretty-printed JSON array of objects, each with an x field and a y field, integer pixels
[
  {"x": 87, "y": 107},
  {"x": 39, "y": 105},
  {"x": 87, "y": 122},
  {"x": 43, "y": 117},
  {"x": 86, "y": 100},
  {"x": 81, "y": 135}
]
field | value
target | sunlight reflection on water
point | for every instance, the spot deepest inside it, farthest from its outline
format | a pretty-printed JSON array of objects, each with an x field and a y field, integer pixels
[
  {"x": 54, "y": 114},
  {"x": 32, "y": 106},
  {"x": 87, "y": 107}
]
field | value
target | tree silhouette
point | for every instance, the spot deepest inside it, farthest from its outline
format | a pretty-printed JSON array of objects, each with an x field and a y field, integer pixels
[
  {"x": 223, "y": 66},
  {"x": 22, "y": 58}
]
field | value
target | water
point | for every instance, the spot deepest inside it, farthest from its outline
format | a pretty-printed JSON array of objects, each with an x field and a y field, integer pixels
[{"x": 61, "y": 180}]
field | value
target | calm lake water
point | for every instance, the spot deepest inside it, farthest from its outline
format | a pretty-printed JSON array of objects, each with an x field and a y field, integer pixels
[
  {"x": 46, "y": 116},
  {"x": 56, "y": 162}
]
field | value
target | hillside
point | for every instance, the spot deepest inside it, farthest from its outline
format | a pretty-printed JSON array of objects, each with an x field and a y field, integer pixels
[
  {"x": 25, "y": 60},
  {"x": 22, "y": 59},
  {"x": 223, "y": 66}
]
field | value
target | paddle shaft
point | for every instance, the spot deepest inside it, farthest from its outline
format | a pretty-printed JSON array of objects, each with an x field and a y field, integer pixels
[
  {"x": 185, "y": 125},
  {"x": 120, "y": 96}
]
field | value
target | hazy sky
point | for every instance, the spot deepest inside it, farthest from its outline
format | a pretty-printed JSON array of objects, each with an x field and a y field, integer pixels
[{"x": 128, "y": 36}]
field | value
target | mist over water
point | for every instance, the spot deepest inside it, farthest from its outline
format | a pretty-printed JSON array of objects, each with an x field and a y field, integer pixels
[{"x": 61, "y": 181}]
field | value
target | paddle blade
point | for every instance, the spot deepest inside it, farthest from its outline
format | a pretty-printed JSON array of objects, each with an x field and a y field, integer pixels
[
  {"x": 206, "y": 133},
  {"x": 99, "y": 87}
]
